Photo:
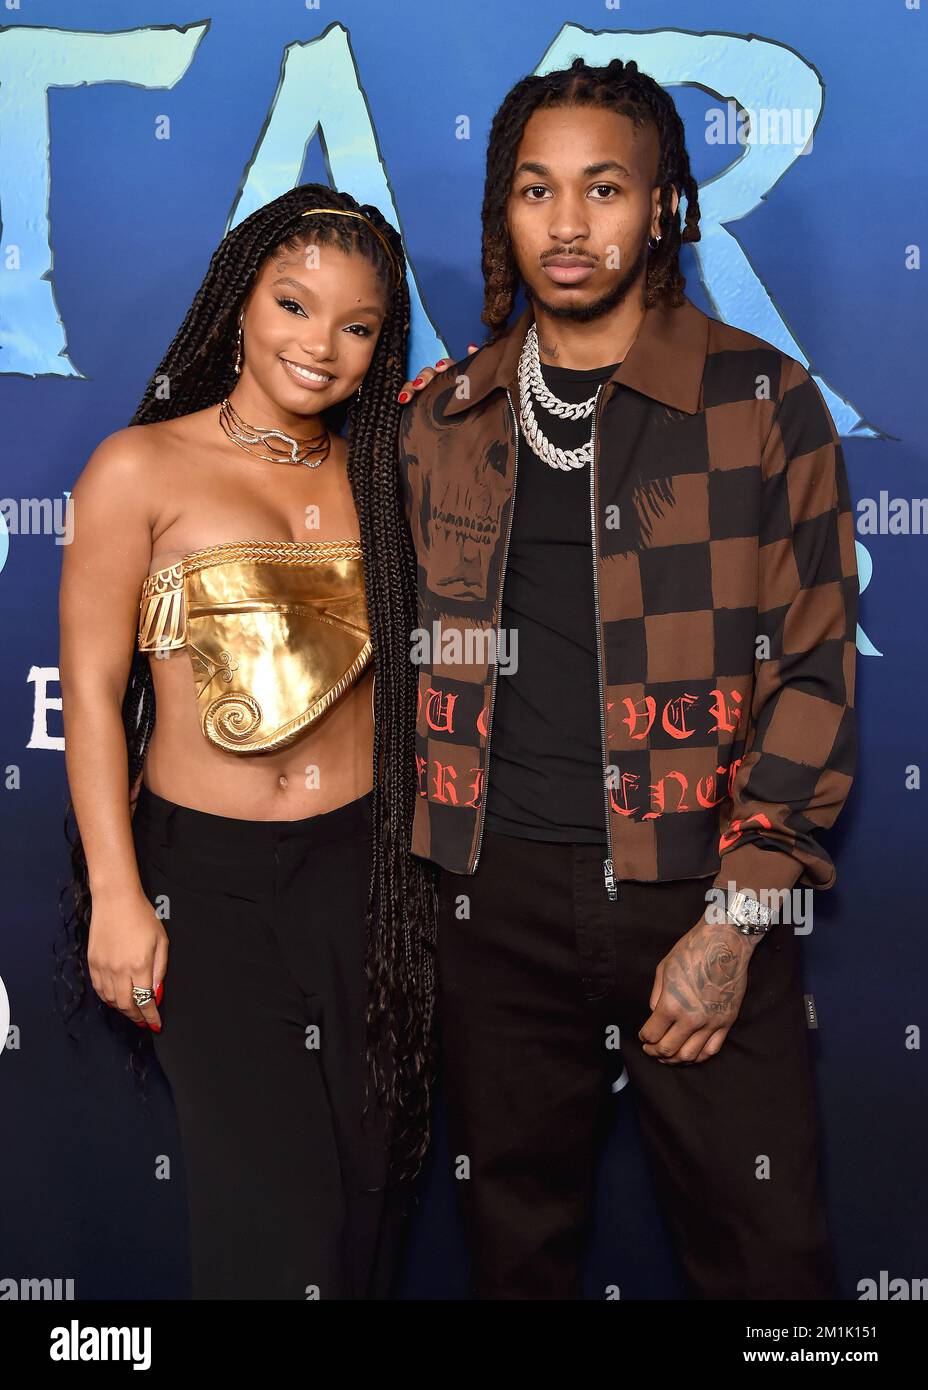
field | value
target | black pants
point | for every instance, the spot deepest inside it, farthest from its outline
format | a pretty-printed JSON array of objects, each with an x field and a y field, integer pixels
[
  {"x": 530, "y": 985},
  {"x": 262, "y": 1044}
]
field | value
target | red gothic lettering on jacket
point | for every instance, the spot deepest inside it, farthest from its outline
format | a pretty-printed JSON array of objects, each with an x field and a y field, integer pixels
[
  {"x": 722, "y": 714},
  {"x": 736, "y": 830},
  {"x": 676, "y": 779},
  {"x": 630, "y": 781},
  {"x": 673, "y": 716},
  {"x": 439, "y": 713},
  {"x": 446, "y": 785},
  {"x": 439, "y": 710},
  {"x": 704, "y": 797}
]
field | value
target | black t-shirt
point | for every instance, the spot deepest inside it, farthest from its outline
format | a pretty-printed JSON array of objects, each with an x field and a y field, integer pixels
[{"x": 545, "y": 775}]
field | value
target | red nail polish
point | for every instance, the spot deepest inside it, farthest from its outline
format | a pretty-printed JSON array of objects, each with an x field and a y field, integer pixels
[
  {"x": 154, "y": 1029},
  {"x": 441, "y": 361},
  {"x": 418, "y": 381},
  {"x": 159, "y": 993},
  {"x": 403, "y": 396}
]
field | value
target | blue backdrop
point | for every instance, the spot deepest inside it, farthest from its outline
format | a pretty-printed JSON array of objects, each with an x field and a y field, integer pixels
[{"x": 129, "y": 143}]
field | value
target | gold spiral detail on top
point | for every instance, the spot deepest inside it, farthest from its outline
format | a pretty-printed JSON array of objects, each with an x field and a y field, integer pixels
[{"x": 231, "y": 720}]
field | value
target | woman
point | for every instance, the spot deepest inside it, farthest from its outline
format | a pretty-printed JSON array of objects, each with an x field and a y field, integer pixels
[{"x": 232, "y": 534}]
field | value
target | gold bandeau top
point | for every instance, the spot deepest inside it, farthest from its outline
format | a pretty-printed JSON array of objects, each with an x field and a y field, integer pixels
[{"x": 277, "y": 631}]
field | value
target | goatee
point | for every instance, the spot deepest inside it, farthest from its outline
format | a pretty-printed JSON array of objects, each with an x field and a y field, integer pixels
[{"x": 584, "y": 313}]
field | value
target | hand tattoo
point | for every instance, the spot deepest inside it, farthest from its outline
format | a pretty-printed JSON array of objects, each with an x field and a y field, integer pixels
[{"x": 707, "y": 969}]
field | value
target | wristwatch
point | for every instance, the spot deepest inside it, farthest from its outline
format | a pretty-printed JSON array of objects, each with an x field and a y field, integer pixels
[{"x": 748, "y": 914}]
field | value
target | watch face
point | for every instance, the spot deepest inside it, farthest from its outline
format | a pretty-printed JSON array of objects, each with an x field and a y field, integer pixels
[{"x": 748, "y": 911}]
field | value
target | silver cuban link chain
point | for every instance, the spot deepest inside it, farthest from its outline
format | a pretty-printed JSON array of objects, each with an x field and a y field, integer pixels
[{"x": 532, "y": 384}]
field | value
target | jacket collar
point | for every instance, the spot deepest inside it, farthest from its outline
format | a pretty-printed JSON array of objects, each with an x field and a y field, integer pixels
[{"x": 665, "y": 361}]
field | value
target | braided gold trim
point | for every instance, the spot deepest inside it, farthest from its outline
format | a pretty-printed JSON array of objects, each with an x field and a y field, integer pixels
[{"x": 271, "y": 552}]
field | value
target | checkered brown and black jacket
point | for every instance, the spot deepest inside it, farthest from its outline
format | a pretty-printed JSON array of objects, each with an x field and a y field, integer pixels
[{"x": 727, "y": 595}]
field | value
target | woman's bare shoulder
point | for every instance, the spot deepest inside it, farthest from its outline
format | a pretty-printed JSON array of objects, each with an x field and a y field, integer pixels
[{"x": 141, "y": 454}]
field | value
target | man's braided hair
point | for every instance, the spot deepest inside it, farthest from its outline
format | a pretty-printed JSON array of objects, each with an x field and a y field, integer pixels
[
  {"x": 401, "y": 905},
  {"x": 619, "y": 87}
]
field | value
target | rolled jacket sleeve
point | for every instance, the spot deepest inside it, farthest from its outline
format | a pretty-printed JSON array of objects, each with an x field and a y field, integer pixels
[{"x": 800, "y": 749}]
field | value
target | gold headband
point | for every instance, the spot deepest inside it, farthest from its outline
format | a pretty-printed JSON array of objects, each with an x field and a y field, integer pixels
[{"x": 345, "y": 212}]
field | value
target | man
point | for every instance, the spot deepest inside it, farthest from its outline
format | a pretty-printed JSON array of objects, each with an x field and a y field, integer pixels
[{"x": 650, "y": 511}]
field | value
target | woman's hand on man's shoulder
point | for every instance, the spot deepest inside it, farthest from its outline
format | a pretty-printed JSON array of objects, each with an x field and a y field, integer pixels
[{"x": 425, "y": 376}]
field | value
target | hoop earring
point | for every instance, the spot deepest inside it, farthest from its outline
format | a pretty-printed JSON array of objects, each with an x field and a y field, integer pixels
[
  {"x": 653, "y": 243},
  {"x": 238, "y": 354}
]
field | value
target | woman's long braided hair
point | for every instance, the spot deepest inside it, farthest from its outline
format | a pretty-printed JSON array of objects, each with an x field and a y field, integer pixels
[
  {"x": 401, "y": 907},
  {"x": 619, "y": 87}
]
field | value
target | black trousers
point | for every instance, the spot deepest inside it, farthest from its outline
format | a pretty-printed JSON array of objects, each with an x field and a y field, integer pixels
[
  {"x": 262, "y": 1044},
  {"x": 532, "y": 985}
]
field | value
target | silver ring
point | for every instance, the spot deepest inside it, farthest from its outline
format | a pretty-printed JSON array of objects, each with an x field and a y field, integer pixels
[{"x": 142, "y": 996}]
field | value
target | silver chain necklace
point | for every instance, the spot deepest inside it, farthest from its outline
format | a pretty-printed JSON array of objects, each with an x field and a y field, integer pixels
[{"x": 532, "y": 384}]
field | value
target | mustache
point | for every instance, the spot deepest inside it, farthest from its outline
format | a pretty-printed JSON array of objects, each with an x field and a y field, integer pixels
[{"x": 586, "y": 257}]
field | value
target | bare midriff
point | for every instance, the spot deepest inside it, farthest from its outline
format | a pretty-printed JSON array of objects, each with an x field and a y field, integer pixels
[{"x": 330, "y": 765}]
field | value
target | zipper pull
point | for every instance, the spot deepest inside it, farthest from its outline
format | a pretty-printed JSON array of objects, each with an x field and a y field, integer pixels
[{"x": 609, "y": 876}]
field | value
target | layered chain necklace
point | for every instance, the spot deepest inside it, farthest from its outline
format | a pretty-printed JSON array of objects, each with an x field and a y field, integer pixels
[
  {"x": 532, "y": 385},
  {"x": 283, "y": 448}
]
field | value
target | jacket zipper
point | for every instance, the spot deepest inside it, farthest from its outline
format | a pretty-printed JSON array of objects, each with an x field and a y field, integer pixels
[
  {"x": 499, "y": 614},
  {"x": 608, "y": 870}
]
